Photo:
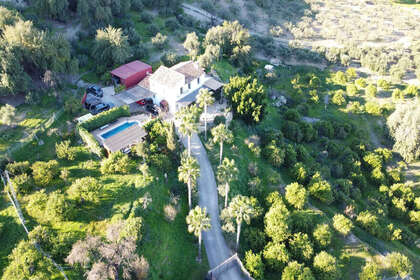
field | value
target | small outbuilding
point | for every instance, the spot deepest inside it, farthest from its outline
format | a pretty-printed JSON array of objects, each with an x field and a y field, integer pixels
[{"x": 131, "y": 74}]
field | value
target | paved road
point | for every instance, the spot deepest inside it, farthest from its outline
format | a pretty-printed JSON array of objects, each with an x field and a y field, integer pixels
[{"x": 214, "y": 242}]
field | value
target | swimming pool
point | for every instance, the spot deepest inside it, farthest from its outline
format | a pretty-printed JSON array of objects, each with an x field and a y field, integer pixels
[{"x": 117, "y": 129}]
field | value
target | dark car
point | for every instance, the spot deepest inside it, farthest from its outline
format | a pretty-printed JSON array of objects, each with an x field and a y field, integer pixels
[
  {"x": 98, "y": 108},
  {"x": 152, "y": 109},
  {"x": 95, "y": 90}
]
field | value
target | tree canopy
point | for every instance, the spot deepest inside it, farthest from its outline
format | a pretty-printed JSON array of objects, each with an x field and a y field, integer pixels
[{"x": 247, "y": 97}]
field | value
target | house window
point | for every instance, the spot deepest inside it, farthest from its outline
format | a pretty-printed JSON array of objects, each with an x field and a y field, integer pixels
[
  {"x": 180, "y": 90},
  {"x": 189, "y": 85},
  {"x": 198, "y": 80}
]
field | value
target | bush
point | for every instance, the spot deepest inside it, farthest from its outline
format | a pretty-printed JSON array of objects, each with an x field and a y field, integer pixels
[
  {"x": 361, "y": 83},
  {"x": 290, "y": 158},
  {"x": 18, "y": 168},
  {"x": 172, "y": 24},
  {"x": 90, "y": 141},
  {"x": 218, "y": 120},
  {"x": 296, "y": 271},
  {"x": 338, "y": 98},
  {"x": 322, "y": 235},
  {"x": 45, "y": 172},
  {"x": 301, "y": 247},
  {"x": 371, "y": 90},
  {"x": 373, "y": 108},
  {"x": 369, "y": 222},
  {"x": 274, "y": 154},
  {"x": 116, "y": 163},
  {"x": 23, "y": 183},
  {"x": 400, "y": 264},
  {"x": 58, "y": 208},
  {"x": 160, "y": 41},
  {"x": 138, "y": 6},
  {"x": 321, "y": 189},
  {"x": 64, "y": 151},
  {"x": 326, "y": 267},
  {"x": 292, "y": 115},
  {"x": 342, "y": 224},
  {"x": 384, "y": 84},
  {"x": 296, "y": 195},
  {"x": 351, "y": 90},
  {"x": 254, "y": 264},
  {"x": 169, "y": 59},
  {"x": 85, "y": 189},
  {"x": 106, "y": 117},
  {"x": 370, "y": 271}
]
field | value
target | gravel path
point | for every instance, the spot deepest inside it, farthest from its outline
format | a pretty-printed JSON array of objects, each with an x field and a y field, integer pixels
[{"x": 216, "y": 247}]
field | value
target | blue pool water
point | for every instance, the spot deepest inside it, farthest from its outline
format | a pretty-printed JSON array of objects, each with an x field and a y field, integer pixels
[{"x": 118, "y": 129}]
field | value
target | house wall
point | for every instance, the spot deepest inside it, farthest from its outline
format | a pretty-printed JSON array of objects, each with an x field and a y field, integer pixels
[{"x": 136, "y": 78}]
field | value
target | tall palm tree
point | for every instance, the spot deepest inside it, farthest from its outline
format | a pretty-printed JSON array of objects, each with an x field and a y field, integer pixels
[
  {"x": 226, "y": 173},
  {"x": 204, "y": 99},
  {"x": 221, "y": 134},
  {"x": 188, "y": 124},
  {"x": 241, "y": 209},
  {"x": 198, "y": 221},
  {"x": 188, "y": 173}
]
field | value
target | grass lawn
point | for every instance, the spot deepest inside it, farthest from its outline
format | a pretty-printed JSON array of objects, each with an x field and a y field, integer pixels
[{"x": 224, "y": 69}]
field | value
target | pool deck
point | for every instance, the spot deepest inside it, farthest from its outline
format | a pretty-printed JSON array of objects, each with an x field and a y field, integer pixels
[{"x": 143, "y": 118}]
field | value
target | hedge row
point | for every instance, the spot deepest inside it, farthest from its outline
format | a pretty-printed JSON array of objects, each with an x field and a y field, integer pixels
[
  {"x": 90, "y": 141},
  {"x": 106, "y": 117}
]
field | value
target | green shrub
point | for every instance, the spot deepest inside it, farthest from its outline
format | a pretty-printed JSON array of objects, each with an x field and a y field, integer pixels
[
  {"x": 254, "y": 264},
  {"x": 23, "y": 183},
  {"x": 218, "y": 120},
  {"x": 106, "y": 117},
  {"x": 400, "y": 264},
  {"x": 371, "y": 90},
  {"x": 63, "y": 150},
  {"x": 116, "y": 163},
  {"x": 370, "y": 271},
  {"x": 323, "y": 235},
  {"x": 384, "y": 84},
  {"x": 119, "y": 88},
  {"x": 342, "y": 224},
  {"x": 338, "y": 98},
  {"x": 295, "y": 270},
  {"x": 326, "y": 267},
  {"x": 351, "y": 90},
  {"x": 274, "y": 154},
  {"x": 18, "y": 168},
  {"x": 361, "y": 83},
  {"x": 321, "y": 189},
  {"x": 373, "y": 108},
  {"x": 301, "y": 247},
  {"x": 90, "y": 141},
  {"x": 45, "y": 172}
]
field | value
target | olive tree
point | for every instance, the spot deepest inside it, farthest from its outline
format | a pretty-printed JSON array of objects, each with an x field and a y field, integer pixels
[{"x": 296, "y": 195}]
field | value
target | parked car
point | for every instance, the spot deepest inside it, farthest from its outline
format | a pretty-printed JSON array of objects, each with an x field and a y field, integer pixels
[
  {"x": 101, "y": 107},
  {"x": 145, "y": 101},
  {"x": 152, "y": 109},
  {"x": 95, "y": 90}
]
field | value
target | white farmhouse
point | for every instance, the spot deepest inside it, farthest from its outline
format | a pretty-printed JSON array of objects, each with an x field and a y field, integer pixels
[{"x": 179, "y": 85}]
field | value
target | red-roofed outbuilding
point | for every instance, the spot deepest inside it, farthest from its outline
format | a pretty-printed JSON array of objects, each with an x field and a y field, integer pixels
[{"x": 132, "y": 73}]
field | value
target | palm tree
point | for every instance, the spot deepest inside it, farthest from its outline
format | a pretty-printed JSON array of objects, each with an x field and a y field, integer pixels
[
  {"x": 204, "y": 99},
  {"x": 220, "y": 135},
  {"x": 188, "y": 124},
  {"x": 188, "y": 173},
  {"x": 241, "y": 208},
  {"x": 198, "y": 221},
  {"x": 226, "y": 173}
]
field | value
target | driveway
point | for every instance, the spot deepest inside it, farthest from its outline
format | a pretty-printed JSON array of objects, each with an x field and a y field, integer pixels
[{"x": 214, "y": 242}]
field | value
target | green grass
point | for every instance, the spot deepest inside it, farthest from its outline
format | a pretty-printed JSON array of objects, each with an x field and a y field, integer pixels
[{"x": 224, "y": 69}]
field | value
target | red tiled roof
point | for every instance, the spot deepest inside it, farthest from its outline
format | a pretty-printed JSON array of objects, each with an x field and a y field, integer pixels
[{"x": 129, "y": 69}]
